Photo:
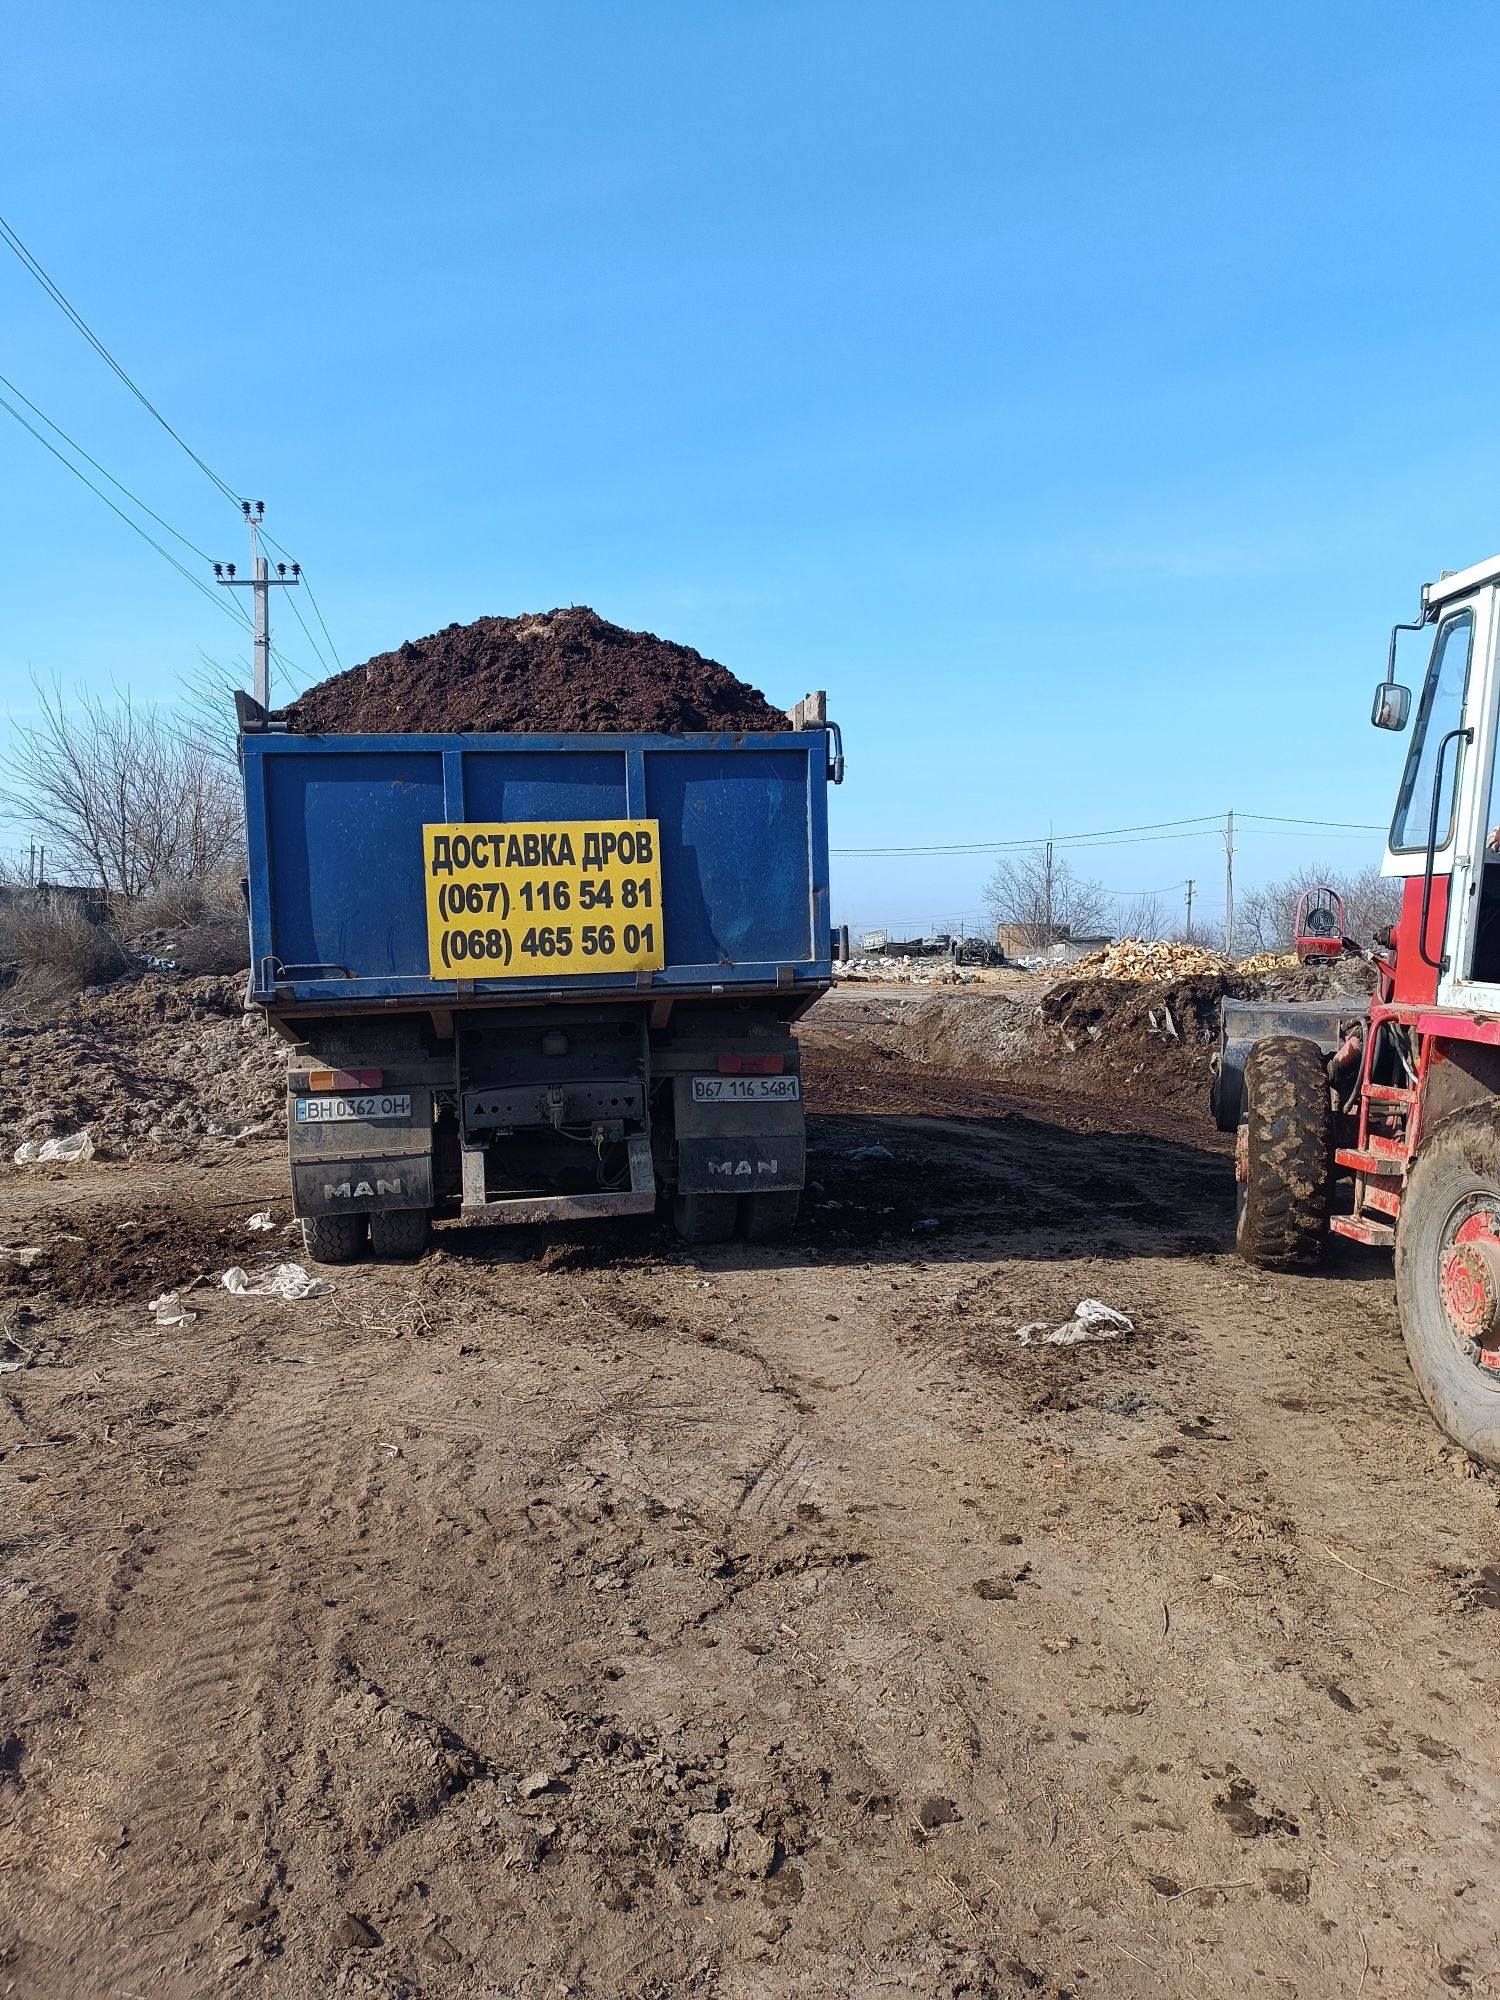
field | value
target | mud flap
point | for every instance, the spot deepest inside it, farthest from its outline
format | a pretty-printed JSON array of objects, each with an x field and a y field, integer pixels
[
  {"x": 352, "y": 1166},
  {"x": 738, "y": 1148},
  {"x": 353, "y": 1187}
]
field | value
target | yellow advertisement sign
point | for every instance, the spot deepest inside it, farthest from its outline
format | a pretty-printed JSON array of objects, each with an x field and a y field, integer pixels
[{"x": 543, "y": 899}]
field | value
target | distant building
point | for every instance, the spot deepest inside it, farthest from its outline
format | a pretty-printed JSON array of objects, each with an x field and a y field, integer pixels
[{"x": 1020, "y": 944}]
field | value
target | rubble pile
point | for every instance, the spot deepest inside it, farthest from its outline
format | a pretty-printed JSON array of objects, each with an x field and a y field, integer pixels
[
  {"x": 904, "y": 971},
  {"x": 159, "y": 1066}
]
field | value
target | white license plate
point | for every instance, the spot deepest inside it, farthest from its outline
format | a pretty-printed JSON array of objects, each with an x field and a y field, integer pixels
[
  {"x": 366, "y": 1110},
  {"x": 746, "y": 1089}
]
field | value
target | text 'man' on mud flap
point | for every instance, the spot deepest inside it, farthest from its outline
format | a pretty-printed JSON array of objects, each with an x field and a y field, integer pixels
[{"x": 343, "y": 1187}]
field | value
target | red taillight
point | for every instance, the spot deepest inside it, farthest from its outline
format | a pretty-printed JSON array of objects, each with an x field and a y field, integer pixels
[
  {"x": 751, "y": 1065},
  {"x": 344, "y": 1079}
]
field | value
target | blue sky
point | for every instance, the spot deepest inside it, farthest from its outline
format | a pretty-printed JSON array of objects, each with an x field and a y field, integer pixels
[{"x": 1077, "y": 393}]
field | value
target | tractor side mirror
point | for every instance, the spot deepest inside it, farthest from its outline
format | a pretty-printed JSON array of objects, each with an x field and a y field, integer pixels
[{"x": 1392, "y": 706}]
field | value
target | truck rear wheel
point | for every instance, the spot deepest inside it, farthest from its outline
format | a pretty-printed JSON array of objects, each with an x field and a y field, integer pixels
[
  {"x": 1284, "y": 1155},
  {"x": 399, "y": 1232},
  {"x": 704, "y": 1218},
  {"x": 765, "y": 1217},
  {"x": 334, "y": 1239},
  {"x": 1448, "y": 1276}
]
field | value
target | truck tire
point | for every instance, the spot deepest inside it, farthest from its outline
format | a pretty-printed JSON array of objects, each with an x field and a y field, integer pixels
[
  {"x": 765, "y": 1217},
  {"x": 334, "y": 1239},
  {"x": 704, "y": 1218},
  {"x": 399, "y": 1232},
  {"x": 1448, "y": 1276},
  {"x": 1284, "y": 1159}
]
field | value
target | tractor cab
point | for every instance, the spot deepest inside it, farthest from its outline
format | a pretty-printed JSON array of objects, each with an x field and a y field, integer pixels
[{"x": 1444, "y": 841}]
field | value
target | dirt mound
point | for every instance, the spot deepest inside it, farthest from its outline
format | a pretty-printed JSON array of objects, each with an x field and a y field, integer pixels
[
  {"x": 1289, "y": 981},
  {"x": 1127, "y": 1037},
  {"x": 159, "y": 1064},
  {"x": 1127, "y": 1042},
  {"x": 547, "y": 670}
]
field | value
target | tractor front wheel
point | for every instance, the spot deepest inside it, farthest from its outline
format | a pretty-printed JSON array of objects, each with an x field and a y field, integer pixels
[
  {"x": 1448, "y": 1276},
  {"x": 1284, "y": 1155}
]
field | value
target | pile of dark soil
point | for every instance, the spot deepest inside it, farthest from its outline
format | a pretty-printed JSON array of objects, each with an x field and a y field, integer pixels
[
  {"x": 94, "y": 1254},
  {"x": 547, "y": 670}
]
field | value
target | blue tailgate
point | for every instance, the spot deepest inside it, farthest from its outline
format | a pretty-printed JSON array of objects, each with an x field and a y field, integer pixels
[{"x": 334, "y": 828}]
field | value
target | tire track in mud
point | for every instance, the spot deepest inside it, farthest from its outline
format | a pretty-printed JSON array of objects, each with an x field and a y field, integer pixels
[{"x": 166, "y": 1809}]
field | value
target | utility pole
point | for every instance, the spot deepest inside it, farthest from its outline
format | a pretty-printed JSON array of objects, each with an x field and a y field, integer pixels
[
  {"x": 1229, "y": 885},
  {"x": 1190, "y": 909},
  {"x": 259, "y": 581},
  {"x": 1047, "y": 897}
]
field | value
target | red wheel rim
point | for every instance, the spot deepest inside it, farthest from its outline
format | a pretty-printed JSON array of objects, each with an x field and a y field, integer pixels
[{"x": 1469, "y": 1281}]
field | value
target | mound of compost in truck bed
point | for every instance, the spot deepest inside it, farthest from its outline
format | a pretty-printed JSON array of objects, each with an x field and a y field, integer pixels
[{"x": 547, "y": 670}]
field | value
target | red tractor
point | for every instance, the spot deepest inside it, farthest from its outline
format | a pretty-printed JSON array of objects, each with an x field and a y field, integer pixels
[{"x": 1380, "y": 1120}]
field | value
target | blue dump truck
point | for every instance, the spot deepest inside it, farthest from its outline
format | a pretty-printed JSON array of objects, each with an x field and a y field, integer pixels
[{"x": 537, "y": 977}]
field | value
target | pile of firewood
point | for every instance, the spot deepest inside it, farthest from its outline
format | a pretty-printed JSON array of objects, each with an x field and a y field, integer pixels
[
  {"x": 1150, "y": 964},
  {"x": 1268, "y": 961}
]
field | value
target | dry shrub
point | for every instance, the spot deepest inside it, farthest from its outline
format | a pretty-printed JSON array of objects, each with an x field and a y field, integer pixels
[
  {"x": 51, "y": 947},
  {"x": 199, "y": 926}
]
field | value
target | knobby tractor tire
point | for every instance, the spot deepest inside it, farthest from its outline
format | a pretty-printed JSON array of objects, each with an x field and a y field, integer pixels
[
  {"x": 765, "y": 1217},
  {"x": 399, "y": 1232},
  {"x": 334, "y": 1239},
  {"x": 704, "y": 1218},
  {"x": 1287, "y": 1139},
  {"x": 1456, "y": 1171}
]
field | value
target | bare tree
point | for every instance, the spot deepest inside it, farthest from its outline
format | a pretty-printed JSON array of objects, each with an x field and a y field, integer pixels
[
  {"x": 1038, "y": 893},
  {"x": 1264, "y": 919},
  {"x": 119, "y": 792},
  {"x": 1143, "y": 917}
]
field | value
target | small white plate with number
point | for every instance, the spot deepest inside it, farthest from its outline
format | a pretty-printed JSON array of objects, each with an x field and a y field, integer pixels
[
  {"x": 328, "y": 1110},
  {"x": 746, "y": 1089}
]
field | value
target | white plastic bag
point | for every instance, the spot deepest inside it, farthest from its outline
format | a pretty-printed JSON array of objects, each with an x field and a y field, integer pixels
[
  {"x": 1092, "y": 1320},
  {"x": 40, "y": 1152},
  {"x": 286, "y": 1281},
  {"x": 168, "y": 1310}
]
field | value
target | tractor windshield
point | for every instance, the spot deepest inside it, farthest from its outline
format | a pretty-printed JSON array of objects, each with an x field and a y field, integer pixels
[{"x": 1441, "y": 710}]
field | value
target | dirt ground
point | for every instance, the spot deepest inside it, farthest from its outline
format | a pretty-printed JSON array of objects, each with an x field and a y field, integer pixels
[{"x": 578, "y": 1615}]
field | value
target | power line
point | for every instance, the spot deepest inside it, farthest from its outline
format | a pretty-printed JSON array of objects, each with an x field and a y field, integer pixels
[
  {"x": 1061, "y": 839},
  {"x": 318, "y": 609},
  {"x": 1286, "y": 819},
  {"x": 118, "y": 484},
  {"x": 272, "y": 543},
  {"x": 13, "y": 242},
  {"x": 225, "y": 605},
  {"x": 310, "y": 639},
  {"x": 1123, "y": 836},
  {"x": 166, "y": 554},
  {"x": 1139, "y": 895}
]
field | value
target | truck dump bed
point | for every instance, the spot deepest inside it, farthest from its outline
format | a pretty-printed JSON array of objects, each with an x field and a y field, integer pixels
[{"x": 341, "y": 873}]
